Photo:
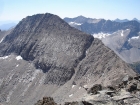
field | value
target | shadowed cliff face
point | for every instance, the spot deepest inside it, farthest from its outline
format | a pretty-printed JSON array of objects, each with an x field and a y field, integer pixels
[{"x": 68, "y": 59}]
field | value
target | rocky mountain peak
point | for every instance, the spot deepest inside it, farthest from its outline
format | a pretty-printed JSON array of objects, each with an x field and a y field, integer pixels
[
  {"x": 39, "y": 23},
  {"x": 48, "y": 41},
  {"x": 136, "y": 20},
  {"x": 58, "y": 61}
]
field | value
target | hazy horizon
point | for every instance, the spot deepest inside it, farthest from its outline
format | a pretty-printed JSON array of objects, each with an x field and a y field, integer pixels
[{"x": 16, "y": 10}]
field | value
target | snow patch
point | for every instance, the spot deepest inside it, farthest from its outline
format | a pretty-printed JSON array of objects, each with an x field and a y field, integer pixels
[
  {"x": 71, "y": 95},
  {"x": 73, "y": 86},
  {"x": 85, "y": 86},
  {"x": 122, "y": 33},
  {"x": 17, "y": 65},
  {"x": 79, "y": 87},
  {"x": 101, "y": 35},
  {"x": 4, "y": 57},
  {"x": 74, "y": 23},
  {"x": 86, "y": 52},
  {"x": 135, "y": 37},
  {"x": 18, "y": 57},
  {"x": 2, "y": 39}
]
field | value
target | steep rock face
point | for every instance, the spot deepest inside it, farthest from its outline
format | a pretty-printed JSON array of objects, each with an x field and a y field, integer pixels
[
  {"x": 102, "y": 63},
  {"x": 58, "y": 61}
]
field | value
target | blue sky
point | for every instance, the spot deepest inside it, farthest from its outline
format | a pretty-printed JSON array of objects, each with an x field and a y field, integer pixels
[{"x": 108, "y": 9}]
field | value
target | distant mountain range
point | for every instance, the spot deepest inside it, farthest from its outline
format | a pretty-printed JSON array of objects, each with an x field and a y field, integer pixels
[
  {"x": 122, "y": 36},
  {"x": 81, "y": 19},
  {"x": 119, "y": 20},
  {"x": 126, "y": 20},
  {"x": 6, "y": 25}
]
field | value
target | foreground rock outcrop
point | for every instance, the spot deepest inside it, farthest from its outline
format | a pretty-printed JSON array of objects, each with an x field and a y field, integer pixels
[
  {"x": 126, "y": 93},
  {"x": 44, "y": 56}
]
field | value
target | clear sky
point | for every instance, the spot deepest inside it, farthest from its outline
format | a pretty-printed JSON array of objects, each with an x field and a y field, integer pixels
[{"x": 108, "y": 9}]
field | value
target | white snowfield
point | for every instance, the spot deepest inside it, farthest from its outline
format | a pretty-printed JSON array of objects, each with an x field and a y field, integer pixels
[
  {"x": 17, "y": 65},
  {"x": 19, "y": 58},
  {"x": 5, "y": 57},
  {"x": 74, "y": 23},
  {"x": 135, "y": 37},
  {"x": 122, "y": 33},
  {"x": 70, "y": 95},
  {"x": 73, "y": 86},
  {"x": 2, "y": 39},
  {"x": 101, "y": 35}
]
